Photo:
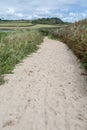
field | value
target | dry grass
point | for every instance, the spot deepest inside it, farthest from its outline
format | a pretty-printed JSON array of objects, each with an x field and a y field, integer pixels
[{"x": 75, "y": 36}]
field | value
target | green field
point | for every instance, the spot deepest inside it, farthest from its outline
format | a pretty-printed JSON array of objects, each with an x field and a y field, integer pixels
[
  {"x": 15, "y": 24},
  {"x": 37, "y": 26},
  {"x": 25, "y": 25}
]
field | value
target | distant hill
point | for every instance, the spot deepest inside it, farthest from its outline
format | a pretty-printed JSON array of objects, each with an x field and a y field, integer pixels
[
  {"x": 47, "y": 21},
  {"x": 37, "y": 21}
]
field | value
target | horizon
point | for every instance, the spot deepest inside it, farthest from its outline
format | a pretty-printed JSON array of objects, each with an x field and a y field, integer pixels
[
  {"x": 37, "y": 19},
  {"x": 68, "y": 11}
]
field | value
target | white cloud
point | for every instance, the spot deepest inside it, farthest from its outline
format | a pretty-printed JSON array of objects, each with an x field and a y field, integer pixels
[
  {"x": 84, "y": 15},
  {"x": 60, "y": 15},
  {"x": 72, "y": 16},
  {"x": 68, "y": 19},
  {"x": 11, "y": 11},
  {"x": 19, "y": 14},
  {"x": 64, "y": 9},
  {"x": 43, "y": 11}
]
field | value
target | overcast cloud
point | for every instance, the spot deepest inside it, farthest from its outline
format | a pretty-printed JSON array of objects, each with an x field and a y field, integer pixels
[{"x": 67, "y": 10}]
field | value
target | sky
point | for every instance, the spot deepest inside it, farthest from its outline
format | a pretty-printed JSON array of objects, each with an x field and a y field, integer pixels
[{"x": 67, "y": 10}]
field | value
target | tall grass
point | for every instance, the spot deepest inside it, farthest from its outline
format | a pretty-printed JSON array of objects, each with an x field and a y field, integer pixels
[
  {"x": 14, "y": 47},
  {"x": 75, "y": 36}
]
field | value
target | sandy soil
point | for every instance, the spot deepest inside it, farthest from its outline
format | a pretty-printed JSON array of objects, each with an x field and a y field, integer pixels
[{"x": 46, "y": 92}]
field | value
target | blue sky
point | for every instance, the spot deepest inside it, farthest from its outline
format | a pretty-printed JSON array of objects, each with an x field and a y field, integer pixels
[{"x": 67, "y": 10}]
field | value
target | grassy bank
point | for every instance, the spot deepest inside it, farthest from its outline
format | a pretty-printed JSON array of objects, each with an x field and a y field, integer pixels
[
  {"x": 75, "y": 36},
  {"x": 14, "y": 46}
]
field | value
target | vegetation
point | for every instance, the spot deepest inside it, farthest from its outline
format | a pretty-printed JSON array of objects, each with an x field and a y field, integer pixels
[
  {"x": 44, "y": 24},
  {"x": 15, "y": 26},
  {"x": 75, "y": 36},
  {"x": 37, "y": 26},
  {"x": 52, "y": 21},
  {"x": 14, "y": 46},
  {"x": 15, "y": 23},
  {"x": 48, "y": 21},
  {"x": 48, "y": 30}
]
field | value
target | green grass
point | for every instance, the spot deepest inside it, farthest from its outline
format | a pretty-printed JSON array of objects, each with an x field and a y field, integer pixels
[
  {"x": 14, "y": 47},
  {"x": 37, "y": 26},
  {"x": 15, "y": 24},
  {"x": 21, "y": 26}
]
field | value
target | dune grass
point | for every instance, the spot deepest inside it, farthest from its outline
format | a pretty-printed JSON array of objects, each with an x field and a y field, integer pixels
[
  {"x": 75, "y": 36},
  {"x": 14, "y": 46}
]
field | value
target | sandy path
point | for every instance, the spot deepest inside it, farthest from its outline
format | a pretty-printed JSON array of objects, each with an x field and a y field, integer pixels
[{"x": 46, "y": 92}]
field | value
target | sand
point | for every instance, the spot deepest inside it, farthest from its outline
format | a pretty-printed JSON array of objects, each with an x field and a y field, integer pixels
[{"x": 47, "y": 91}]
